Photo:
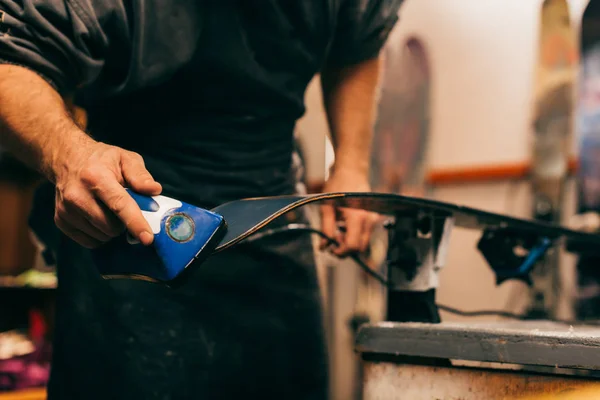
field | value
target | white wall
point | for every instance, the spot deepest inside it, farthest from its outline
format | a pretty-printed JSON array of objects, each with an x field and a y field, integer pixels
[
  {"x": 577, "y": 8},
  {"x": 482, "y": 72},
  {"x": 482, "y": 55},
  {"x": 312, "y": 131}
]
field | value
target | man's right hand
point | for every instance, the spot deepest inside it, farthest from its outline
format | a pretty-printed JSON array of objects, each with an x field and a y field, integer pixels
[{"x": 92, "y": 205}]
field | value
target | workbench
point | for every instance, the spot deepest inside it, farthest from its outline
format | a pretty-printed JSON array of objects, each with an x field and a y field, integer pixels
[
  {"x": 476, "y": 361},
  {"x": 28, "y": 394}
]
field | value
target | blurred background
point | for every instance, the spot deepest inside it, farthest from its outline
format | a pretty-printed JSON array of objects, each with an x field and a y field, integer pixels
[{"x": 482, "y": 103}]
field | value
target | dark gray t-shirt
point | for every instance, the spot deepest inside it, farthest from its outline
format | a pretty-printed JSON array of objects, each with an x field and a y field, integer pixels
[{"x": 207, "y": 92}]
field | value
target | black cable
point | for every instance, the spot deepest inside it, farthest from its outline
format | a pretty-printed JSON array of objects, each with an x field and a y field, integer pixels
[
  {"x": 307, "y": 228},
  {"x": 505, "y": 314},
  {"x": 383, "y": 280},
  {"x": 480, "y": 313}
]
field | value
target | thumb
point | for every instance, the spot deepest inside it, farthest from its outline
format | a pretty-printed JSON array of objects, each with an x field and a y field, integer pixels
[
  {"x": 137, "y": 176},
  {"x": 327, "y": 224}
]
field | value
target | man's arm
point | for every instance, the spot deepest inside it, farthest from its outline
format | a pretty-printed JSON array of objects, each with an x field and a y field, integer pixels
[
  {"x": 349, "y": 94},
  {"x": 350, "y": 83},
  {"x": 46, "y": 51},
  {"x": 35, "y": 124},
  {"x": 351, "y": 76},
  {"x": 37, "y": 128}
]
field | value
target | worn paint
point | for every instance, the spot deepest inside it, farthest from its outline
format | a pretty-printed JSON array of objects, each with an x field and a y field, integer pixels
[
  {"x": 389, "y": 381},
  {"x": 537, "y": 343}
]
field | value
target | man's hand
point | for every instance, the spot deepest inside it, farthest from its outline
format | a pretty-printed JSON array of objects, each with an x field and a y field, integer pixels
[
  {"x": 92, "y": 205},
  {"x": 359, "y": 224}
]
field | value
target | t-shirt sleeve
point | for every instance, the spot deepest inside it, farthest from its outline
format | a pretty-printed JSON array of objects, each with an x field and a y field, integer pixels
[
  {"x": 62, "y": 40},
  {"x": 362, "y": 29}
]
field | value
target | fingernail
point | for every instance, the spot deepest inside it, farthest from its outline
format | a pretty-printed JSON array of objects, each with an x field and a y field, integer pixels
[{"x": 146, "y": 238}]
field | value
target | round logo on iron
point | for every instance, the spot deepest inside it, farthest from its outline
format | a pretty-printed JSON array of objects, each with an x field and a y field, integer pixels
[{"x": 180, "y": 227}]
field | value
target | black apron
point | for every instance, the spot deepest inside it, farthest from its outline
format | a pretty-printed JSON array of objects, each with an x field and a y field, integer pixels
[{"x": 248, "y": 322}]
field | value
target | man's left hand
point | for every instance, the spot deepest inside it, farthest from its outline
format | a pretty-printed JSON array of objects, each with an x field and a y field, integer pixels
[{"x": 359, "y": 224}]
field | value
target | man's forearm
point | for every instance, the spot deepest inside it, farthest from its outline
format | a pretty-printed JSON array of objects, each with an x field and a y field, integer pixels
[
  {"x": 35, "y": 123},
  {"x": 350, "y": 97}
]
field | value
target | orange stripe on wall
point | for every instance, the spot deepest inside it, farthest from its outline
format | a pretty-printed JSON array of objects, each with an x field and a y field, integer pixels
[{"x": 485, "y": 173}]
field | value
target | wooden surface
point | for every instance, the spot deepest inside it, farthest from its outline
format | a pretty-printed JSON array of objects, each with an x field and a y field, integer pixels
[
  {"x": 30, "y": 394},
  {"x": 592, "y": 393},
  {"x": 16, "y": 249},
  {"x": 390, "y": 381}
]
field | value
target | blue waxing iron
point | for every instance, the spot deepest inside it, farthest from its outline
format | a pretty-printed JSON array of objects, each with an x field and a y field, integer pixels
[{"x": 183, "y": 233}]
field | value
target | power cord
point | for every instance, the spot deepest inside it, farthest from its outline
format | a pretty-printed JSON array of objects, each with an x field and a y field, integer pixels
[
  {"x": 383, "y": 280},
  {"x": 308, "y": 229}
]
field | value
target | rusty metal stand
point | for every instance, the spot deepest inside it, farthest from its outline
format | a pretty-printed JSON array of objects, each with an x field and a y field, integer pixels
[
  {"x": 498, "y": 360},
  {"x": 413, "y": 355},
  {"x": 416, "y": 254}
]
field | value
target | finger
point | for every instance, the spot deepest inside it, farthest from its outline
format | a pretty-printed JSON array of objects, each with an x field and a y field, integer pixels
[
  {"x": 106, "y": 221},
  {"x": 78, "y": 221},
  {"x": 96, "y": 214},
  {"x": 77, "y": 235},
  {"x": 118, "y": 201},
  {"x": 327, "y": 224},
  {"x": 354, "y": 220},
  {"x": 340, "y": 248},
  {"x": 137, "y": 176},
  {"x": 368, "y": 227}
]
